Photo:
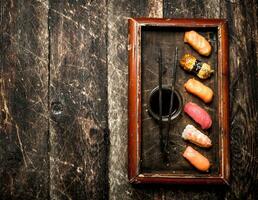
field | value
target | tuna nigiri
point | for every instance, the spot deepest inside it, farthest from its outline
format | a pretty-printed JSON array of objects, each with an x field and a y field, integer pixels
[
  {"x": 199, "y": 89},
  {"x": 196, "y": 159},
  {"x": 195, "y": 136},
  {"x": 198, "y": 114}
]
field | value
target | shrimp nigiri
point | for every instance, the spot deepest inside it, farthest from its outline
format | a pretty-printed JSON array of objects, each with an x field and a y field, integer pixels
[
  {"x": 195, "y": 136},
  {"x": 196, "y": 159}
]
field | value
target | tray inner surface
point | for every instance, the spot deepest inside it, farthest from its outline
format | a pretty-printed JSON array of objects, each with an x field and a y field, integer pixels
[{"x": 167, "y": 38}]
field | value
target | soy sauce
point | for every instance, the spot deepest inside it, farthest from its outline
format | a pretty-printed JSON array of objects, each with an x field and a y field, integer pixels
[{"x": 166, "y": 97}]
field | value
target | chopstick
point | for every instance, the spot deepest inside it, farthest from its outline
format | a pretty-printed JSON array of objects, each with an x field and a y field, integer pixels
[
  {"x": 162, "y": 145},
  {"x": 173, "y": 81}
]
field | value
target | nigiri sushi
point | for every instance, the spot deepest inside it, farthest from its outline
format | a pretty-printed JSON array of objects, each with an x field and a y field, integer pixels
[
  {"x": 195, "y": 136},
  {"x": 199, "y": 68},
  {"x": 196, "y": 159},
  {"x": 198, "y": 114},
  {"x": 199, "y": 89},
  {"x": 198, "y": 42}
]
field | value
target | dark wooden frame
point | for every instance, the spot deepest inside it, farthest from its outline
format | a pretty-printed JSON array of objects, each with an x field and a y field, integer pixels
[{"x": 134, "y": 102}]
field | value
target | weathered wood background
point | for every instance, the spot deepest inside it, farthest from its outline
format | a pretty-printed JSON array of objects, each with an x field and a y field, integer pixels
[{"x": 63, "y": 98}]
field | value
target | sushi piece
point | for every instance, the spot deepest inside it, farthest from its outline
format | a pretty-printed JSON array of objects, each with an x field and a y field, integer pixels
[
  {"x": 195, "y": 136},
  {"x": 197, "y": 67},
  {"x": 198, "y": 114},
  {"x": 199, "y": 89},
  {"x": 199, "y": 161},
  {"x": 198, "y": 42}
]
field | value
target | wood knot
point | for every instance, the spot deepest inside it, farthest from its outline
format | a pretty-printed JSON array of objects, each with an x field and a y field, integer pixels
[{"x": 57, "y": 108}]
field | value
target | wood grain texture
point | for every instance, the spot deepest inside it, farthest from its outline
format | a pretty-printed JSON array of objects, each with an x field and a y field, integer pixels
[
  {"x": 78, "y": 100},
  {"x": 118, "y": 13},
  {"x": 23, "y": 100},
  {"x": 155, "y": 8},
  {"x": 152, "y": 160},
  {"x": 243, "y": 63},
  {"x": 81, "y": 46},
  {"x": 243, "y": 91}
]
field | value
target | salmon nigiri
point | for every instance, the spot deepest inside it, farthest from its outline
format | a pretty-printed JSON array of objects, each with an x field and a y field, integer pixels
[
  {"x": 199, "y": 89},
  {"x": 195, "y": 136},
  {"x": 198, "y": 42},
  {"x": 196, "y": 159}
]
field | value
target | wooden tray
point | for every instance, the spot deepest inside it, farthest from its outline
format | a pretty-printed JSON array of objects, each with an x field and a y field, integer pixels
[{"x": 145, "y": 158}]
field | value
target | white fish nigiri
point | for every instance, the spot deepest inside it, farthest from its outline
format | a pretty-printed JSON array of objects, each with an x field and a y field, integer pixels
[{"x": 195, "y": 136}]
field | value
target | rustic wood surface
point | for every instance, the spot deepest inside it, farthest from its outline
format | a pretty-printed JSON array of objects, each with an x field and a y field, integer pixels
[
  {"x": 152, "y": 159},
  {"x": 78, "y": 100},
  {"x": 63, "y": 83},
  {"x": 24, "y": 160}
]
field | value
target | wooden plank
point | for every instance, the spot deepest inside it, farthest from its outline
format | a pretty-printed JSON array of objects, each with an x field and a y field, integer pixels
[
  {"x": 242, "y": 17},
  {"x": 24, "y": 159},
  {"x": 78, "y": 98},
  {"x": 190, "y": 9},
  {"x": 118, "y": 13},
  {"x": 155, "y": 8}
]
